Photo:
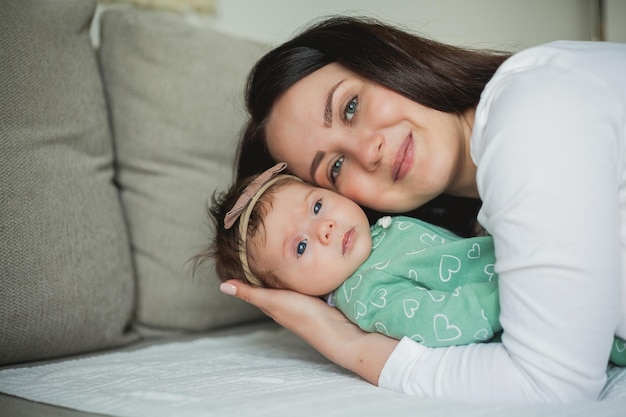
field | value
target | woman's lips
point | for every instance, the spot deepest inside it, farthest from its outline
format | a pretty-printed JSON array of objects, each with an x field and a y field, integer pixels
[
  {"x": 348, "y": 241},
  {"x": 403, "y": 160}
]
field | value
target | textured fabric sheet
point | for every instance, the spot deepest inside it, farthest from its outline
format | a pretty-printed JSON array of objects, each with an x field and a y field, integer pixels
[{"x": 266, "y": 372}]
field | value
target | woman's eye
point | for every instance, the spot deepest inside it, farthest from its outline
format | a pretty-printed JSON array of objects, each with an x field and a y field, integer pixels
[
  {"x": 301, "y": 248},
  {"x": 350, "y": 110},
  {"x": 317, "y": 207},
  {"x": 335, "y": 169}
]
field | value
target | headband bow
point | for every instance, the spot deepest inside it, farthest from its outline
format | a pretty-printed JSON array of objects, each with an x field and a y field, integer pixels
[
  {"x": 243, "y": 209},
  {"x": 250, "y": 192}
]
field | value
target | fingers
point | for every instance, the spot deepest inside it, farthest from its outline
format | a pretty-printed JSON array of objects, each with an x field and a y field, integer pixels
[
  {"x": 261, "y": 298},
  {"x": 284, "y": 306},
  {"x": 228, "y": 288},
  {"x": 237, "y": 289}
]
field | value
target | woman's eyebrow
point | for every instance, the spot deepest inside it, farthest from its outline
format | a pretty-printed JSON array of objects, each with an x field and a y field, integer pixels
[
  {"x": 328, "y": 122},
  {"x": 328, "y": 108},
  {"x": 317, "y": 159}
]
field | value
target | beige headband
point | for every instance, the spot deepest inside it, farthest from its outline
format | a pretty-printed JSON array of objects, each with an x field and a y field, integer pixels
[{"x": 243, "y": 209}]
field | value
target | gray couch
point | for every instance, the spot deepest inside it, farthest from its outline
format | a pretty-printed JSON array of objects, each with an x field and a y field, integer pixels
[
  {"x": 107, "y": 159},
  {"x": 108, "y": 156}
]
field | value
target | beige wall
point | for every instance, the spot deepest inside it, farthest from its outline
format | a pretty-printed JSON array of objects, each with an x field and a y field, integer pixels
[
  {"x": 504, "y": 24},
  {"x": 615, "y": 20}
]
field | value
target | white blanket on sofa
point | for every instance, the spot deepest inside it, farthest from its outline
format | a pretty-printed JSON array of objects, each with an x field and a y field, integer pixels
[{"x": 261, "y": 372}]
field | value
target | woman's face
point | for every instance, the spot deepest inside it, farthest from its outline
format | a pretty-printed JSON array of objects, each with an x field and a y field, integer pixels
[{"x": 374, "y": 146}]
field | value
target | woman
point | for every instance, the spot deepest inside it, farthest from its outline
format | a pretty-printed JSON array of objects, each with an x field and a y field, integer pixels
[{"x": 396, "y": 122}]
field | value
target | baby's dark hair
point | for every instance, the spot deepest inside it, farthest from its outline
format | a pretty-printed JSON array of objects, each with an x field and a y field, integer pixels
[{"x": 224, "y": 246}]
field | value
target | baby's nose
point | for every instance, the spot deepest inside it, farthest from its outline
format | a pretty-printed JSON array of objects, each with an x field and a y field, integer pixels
[{"x": 325, "y": 231}]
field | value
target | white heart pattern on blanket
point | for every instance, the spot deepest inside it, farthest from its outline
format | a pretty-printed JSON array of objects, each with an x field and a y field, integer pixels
[
  {"x": 441, "y": 297},
  {"x": 381, "y": 265},
  {"x": 482, "y": 335},
  {"x": 474, "y": 252},
  {"x": 490, "y": 271},
  {"x": 347, "y": 292},
  {"x": 360, "y": 309},
  {"x": 448, "y": 266},
  {"x": 381, "y": 328},
  {"x": 431, "y": 240},
  {"x": 379, "y": 300},
  {"x": 444, "y": 331},
  {"x": 378, "y": 240},
  {"x": 404, "y": 225},
  {"x": 418, "y": 338},
  {"x": 410, "y": 307}
]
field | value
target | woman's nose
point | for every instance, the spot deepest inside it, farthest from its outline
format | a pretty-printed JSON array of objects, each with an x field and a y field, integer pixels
[
  {"x": 368, "y": 150},
  {"x": 325, "y": 230}
]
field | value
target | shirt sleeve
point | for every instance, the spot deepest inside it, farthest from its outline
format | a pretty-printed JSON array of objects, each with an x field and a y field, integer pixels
[{"x": 548, "y": 146}]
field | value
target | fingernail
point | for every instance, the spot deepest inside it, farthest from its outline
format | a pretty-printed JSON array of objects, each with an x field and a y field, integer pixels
[{"x": 229, "y": 289}]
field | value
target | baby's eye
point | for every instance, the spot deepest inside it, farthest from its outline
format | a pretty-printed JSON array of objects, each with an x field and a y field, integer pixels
[
  {"x": 301, "y": 248},
  {"x": 350, "y": 109},
  {"x": 317, "y": 207},
  {"x": 335, "y": 169}
]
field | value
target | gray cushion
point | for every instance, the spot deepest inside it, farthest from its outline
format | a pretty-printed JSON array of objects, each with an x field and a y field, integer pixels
[
  {"x": 175, "y": 88},
  {"x": 66, "y": 278}
]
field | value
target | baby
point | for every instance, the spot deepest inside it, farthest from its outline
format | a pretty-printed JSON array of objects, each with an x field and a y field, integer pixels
[{"x": 400, "y": 277}]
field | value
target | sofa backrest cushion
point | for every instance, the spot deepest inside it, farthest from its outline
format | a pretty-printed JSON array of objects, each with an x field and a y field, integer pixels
[
  {"x": 175, "y": 88},
  {"x": 66, "y": 277}
]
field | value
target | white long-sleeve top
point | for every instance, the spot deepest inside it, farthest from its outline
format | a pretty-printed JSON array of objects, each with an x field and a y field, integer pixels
[{"x": 549, "y": 144}]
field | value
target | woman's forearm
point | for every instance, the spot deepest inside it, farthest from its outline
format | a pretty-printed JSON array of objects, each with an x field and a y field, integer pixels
[
  {"x": 374, "y": 350},
  {"x": 348, "y": 346}
]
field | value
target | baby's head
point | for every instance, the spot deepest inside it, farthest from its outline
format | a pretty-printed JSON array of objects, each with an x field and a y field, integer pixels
[{"x": 276, "y": 231}]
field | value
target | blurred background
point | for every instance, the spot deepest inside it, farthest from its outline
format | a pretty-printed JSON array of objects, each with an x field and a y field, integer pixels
[{"x": 501, "y": 24}]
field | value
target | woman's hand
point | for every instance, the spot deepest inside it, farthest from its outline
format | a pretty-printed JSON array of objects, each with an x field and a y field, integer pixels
[{"x": 323, "y": 327}]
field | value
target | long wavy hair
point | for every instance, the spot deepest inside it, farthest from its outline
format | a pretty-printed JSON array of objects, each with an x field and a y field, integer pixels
[{"x": 436, "y": 75}]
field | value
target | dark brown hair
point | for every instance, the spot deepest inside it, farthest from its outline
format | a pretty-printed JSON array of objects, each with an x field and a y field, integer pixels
[{"x": 436, "y": 75}]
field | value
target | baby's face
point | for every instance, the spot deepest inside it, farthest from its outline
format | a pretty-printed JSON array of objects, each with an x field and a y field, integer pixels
[{"x": 314, "y": 239}]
